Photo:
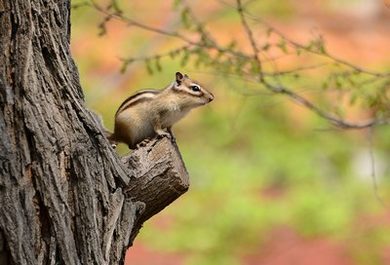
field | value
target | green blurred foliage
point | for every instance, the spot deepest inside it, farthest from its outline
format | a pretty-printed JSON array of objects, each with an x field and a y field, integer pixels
[{"x": 256, "y": 161}]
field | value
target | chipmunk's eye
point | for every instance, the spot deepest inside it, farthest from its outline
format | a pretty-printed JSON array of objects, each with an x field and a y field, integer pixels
[{"x": 195, "y": 88}]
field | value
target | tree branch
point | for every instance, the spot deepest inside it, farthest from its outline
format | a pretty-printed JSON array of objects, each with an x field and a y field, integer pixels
[
  {"x": 251, "y": 38},
  {"x": 338, "y": 122},
  {"x": 234, "y": 57},
  {"x": 316, "y": 52},
  {"x": 158, "y": 177}
]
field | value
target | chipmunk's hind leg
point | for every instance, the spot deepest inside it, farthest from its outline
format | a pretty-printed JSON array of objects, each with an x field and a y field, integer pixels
[
  {"x": 160, "y": 132},
  {"x": 172, "y": 136}
]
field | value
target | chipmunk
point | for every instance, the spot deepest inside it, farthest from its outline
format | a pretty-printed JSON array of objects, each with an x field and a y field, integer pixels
[{"x": 153, "y": 112}]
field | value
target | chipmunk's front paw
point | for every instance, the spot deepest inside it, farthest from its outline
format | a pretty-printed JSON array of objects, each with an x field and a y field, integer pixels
[
  {"x": 143, "y": 143},
  {"x": 173, "y": 139},
  {"x": 162, "y": 133},
  {"x": 172, "y": 136}
]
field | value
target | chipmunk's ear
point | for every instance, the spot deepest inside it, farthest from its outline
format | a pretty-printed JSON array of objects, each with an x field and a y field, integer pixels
[{"x": 179, "y": 78}]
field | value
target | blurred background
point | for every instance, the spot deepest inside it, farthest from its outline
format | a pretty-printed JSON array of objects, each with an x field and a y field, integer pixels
[{"x": 271, "y": 182}]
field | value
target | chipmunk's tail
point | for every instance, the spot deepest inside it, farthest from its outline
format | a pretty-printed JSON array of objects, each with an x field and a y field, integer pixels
[{"x": 109, "y": 135}]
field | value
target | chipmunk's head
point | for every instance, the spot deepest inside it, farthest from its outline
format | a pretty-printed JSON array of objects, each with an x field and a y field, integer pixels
[{"x": 192, "y": 94}]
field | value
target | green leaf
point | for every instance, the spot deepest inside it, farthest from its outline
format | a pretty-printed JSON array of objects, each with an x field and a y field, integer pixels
[
  {"x": 185, "y": 58},
  {"x": 255, "y": 67},
  {"x": 148, "y": 67},
  {"x": 266, "y": 47},
  {"x": 125, "y": 64},
  {"x": 232, "y": 45},
  {"x": 115, "y": 7},
  {"x": 353, "y": 99},
  {"x": 325, "y": 85},
  {"x": 176, "y": 3},
  {"x": 185, "y": 18},
  {"x": 158, "y": 64},
  {"x": 269, "y": 32},
  {"x": 174, "y": 53},
  {"x": 282, "y": 45}
]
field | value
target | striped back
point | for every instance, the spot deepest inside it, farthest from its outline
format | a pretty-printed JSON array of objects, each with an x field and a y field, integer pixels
[{"x": 137, "y": 98}]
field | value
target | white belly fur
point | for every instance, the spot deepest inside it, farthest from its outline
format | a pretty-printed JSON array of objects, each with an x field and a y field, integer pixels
[{"x": 172, "y": 118}]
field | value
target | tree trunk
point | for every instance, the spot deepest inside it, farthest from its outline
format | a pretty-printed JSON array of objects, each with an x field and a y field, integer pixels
[{"x": 65, "y": 196}]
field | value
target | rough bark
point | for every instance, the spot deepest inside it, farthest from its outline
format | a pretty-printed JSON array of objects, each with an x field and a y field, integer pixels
[{"x": 65, "y": 196}]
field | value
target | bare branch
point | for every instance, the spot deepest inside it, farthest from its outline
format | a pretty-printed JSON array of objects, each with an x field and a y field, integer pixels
[
  {"x": 373, "y": 171},
  {"x": 322, "y": 53},
  {"x": 338, "y": 122},
  {"x": 295, "y": 70},
  {"x": 209, "y": 44},
  {"x": 131, "y": 22},
  {"x": 170, "y": 53}
]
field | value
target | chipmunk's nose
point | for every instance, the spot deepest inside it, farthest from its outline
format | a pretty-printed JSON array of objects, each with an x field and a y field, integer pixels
[{"x": 211, "y": 97}]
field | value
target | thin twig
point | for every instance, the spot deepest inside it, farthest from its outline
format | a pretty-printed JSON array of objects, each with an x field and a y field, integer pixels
[
  {"x": 373, "y": 170},
  {"x": 157, "y": 55},
  {"x": 200, "y": 26},
  {"x": 174, "y": 34},
  {"x": 79, "y": 5},
  {"x": 251, "y": 38},
  {"x": 295, "y": 70},
  {"x": 306, "y": 48},
  {"x": 131, "y": 22},
  {"x": 338, "y": 122}
]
